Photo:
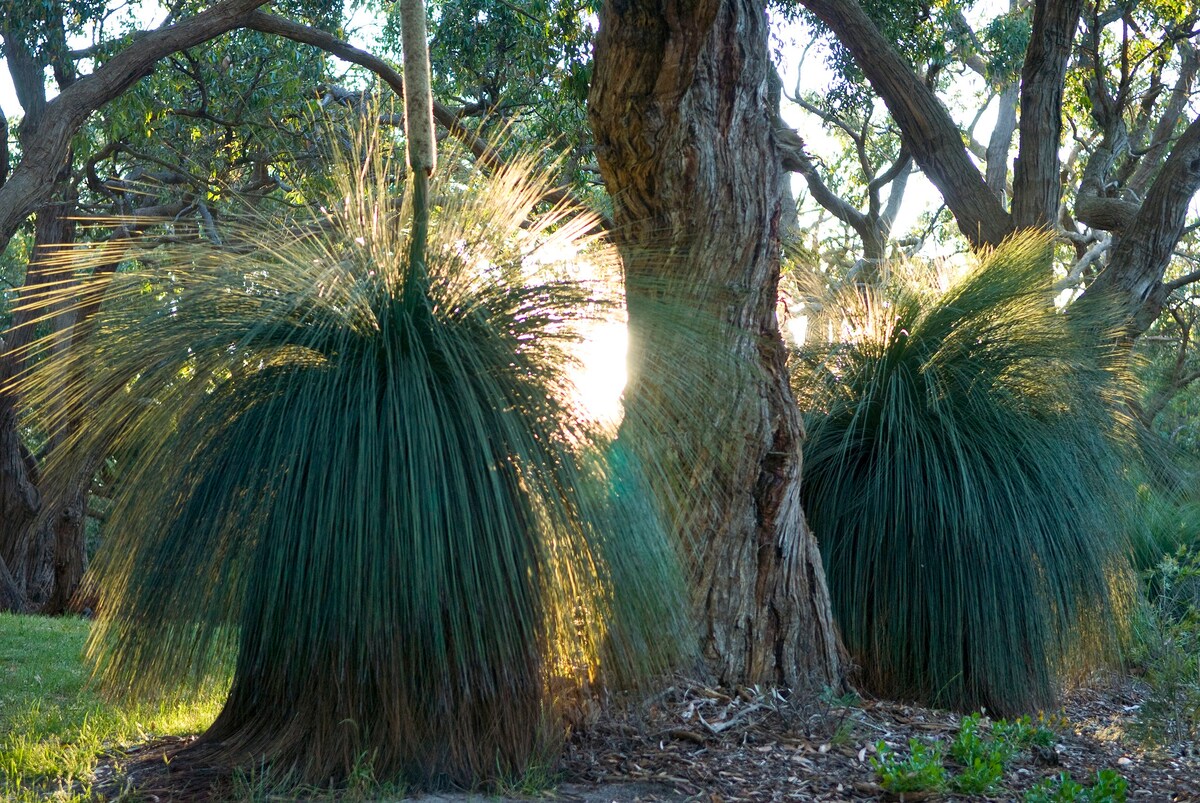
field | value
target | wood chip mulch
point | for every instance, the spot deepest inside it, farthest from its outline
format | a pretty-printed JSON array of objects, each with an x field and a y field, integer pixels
[{"x": 696, "y": 743}]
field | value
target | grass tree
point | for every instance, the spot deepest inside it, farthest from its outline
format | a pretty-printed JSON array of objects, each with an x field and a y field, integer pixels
[
  {"x": 361, "y": 482},
  {"x": 964, "y": 473}
]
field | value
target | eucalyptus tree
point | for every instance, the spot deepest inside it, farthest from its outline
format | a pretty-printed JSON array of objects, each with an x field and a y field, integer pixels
[
  {"x": 861, "y": 178},
  {"x": 685, "y": 140},
  {"x": 41, "y": 553},
  {"x": 1120, "y": 76}
]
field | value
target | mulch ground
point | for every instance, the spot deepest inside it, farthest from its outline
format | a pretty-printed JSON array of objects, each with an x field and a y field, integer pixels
[{"x": 694, "y": 743}]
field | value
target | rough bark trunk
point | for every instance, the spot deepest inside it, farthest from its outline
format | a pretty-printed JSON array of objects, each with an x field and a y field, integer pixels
[
  {"x": 43, "y": 549},
  {"x": 1134, "y": 276},
  {"x": 1036, "y": 187},
  {"x": 1164, "y": 129},
  {"x": 19, "y": 504},
  {"x": 683, "y": 127}
]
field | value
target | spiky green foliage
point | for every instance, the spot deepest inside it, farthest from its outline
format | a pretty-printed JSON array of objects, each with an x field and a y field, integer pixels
[
  {"x": 964, "y": 476},
  {"x": 369, "y": 486}
]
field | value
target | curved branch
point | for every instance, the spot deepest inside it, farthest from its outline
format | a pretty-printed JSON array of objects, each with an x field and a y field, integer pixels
[
  {"x": 1000, "y": 142},
  {"x": 31, "y": 183},
  {"x": 1164, "y": 130},
  {"x": 926, "y": 127},
  {"x": 794, "y": 159},
  {"x": 1134, "y": 277}
]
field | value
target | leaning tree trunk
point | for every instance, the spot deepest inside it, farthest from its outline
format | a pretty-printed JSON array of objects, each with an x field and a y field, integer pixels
[{"x": 679, "y": 107}]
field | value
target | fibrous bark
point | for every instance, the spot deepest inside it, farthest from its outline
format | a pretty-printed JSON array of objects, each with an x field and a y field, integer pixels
[{"x": 680, "y": 110}]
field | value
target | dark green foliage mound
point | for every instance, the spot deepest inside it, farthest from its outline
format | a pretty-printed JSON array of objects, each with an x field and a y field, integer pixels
[
  {"x": 963, "y": 476},
  {"x": 367, "y": 484}
]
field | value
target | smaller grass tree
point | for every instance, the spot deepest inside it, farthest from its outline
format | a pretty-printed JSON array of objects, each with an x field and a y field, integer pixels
[
  {"x": 965, "y": 476},
  {"x": 360, "y": 481}
]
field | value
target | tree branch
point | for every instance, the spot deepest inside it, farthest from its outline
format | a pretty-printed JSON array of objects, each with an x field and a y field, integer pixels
[
  {"x": 1134, "y": 276},
  {"x": 1183, "y": 280},
  {"x": 926, "y": 127},
  {"x": 444, "y": 115},
  {"x": 1164, "y": 130},
  {"x": 31, "y": 182},
  {"x": 794, "y": 159},
  {"x": 1036, "y": 189}
]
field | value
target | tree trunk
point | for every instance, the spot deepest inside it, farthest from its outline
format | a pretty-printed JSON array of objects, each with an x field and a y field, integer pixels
[
  {"x": 1036, "y": 184},
  {"x": 19, "y": 504},
  {"x": 43, "y": 549},
  {"x": 1134, "y": 276},
  {"x": 1000, "y": 143},
  {"x": 683, "y": 125}
]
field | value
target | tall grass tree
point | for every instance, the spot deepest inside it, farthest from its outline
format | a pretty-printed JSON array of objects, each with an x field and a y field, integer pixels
[
  {"x": 364, "y": 484},
  {"x": 965, "y": 470}
]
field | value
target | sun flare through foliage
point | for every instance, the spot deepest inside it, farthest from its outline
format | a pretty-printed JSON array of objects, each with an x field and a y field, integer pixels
[{"x": 365, "y": 487}]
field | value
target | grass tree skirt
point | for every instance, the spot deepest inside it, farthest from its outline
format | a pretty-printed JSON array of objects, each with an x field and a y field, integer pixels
[
  {"x": 966, "y": 453},
  {"x": 346, "y": 656},
  {"x": 364, "y": 489}
]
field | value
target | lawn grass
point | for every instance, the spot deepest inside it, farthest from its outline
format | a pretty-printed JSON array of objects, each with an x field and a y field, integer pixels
[{"x": 54, "y": 727}]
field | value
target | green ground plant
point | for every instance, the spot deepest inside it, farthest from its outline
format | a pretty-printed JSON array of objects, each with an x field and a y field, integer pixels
[
  {"x": 976, "y": 761},
  {"x": 1107, "y": 787},
  {"x": 965, "y": 446},
  {"x": 54, "y": 727},
  {"x": 1163, "y": 522},
  {"x": 983, "y": 756},
  {"x": 920, "y": 771}
]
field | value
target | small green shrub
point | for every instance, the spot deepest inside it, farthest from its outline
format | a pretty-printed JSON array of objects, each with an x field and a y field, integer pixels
[
  {"x": 1021, "y": 733},
  {"x": 982, "y": 756},
  {"x": 1161, "y": 523},
  {"x": 1167, "y": 647},
  {"x": 922, "y": 770},
  {"x": 984, "y": 750},
  {"x": 1107, "y": 787},
  {"x": 1060, "y": 789},
  {"x": 981, "y": 776}
]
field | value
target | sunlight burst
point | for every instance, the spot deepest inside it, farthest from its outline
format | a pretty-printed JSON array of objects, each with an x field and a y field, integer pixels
[{"x": 600, "y": 377}]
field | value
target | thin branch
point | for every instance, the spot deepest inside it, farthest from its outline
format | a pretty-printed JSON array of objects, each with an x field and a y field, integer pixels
[{"x": 1185, "y": 279}]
